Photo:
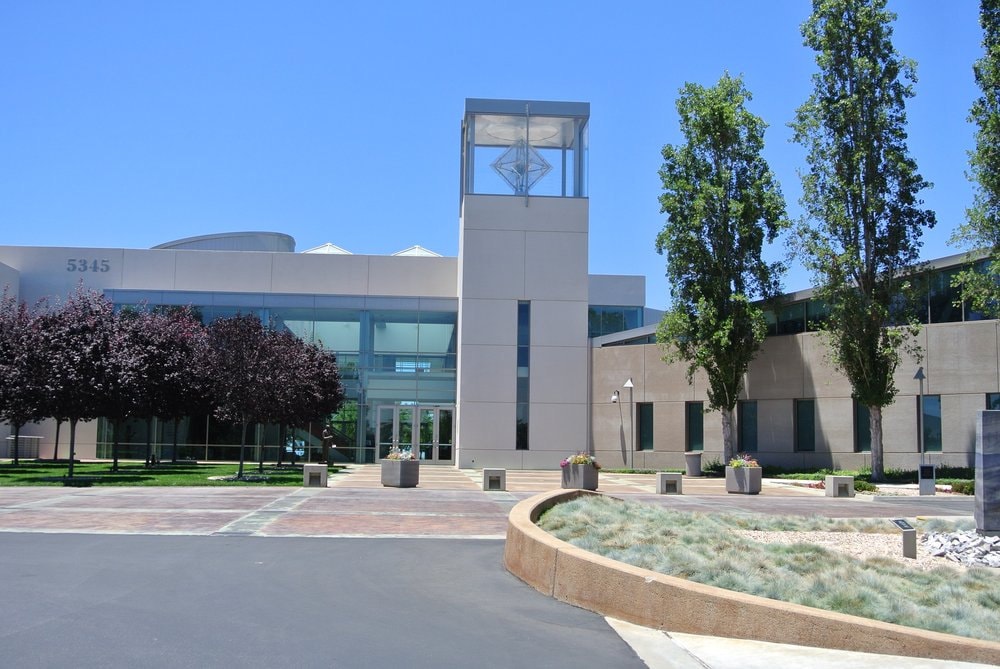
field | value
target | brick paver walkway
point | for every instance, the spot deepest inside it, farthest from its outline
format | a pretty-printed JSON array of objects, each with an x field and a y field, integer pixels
[{"x": 447, "y": 503}]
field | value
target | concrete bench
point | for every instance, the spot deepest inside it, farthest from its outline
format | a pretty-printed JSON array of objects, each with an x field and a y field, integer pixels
[
  {"x": 669, "y": 484},
  {"x": 839, "y": 486}
]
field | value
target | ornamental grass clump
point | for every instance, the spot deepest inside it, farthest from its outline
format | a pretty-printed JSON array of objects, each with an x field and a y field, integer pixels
[{"x": 710, "y": 549}]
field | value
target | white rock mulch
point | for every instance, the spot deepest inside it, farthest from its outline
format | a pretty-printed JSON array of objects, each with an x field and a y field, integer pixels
[{"x": 865, "y": 545}]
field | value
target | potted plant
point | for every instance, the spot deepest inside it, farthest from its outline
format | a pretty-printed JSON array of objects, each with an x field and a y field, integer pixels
[
  {"x": 400, "y": 469},
  {"x": 579, "y": 472},
  {"x": 743, "y": 475}
]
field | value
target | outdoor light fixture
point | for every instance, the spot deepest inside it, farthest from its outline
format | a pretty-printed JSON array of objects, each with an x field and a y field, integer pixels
[
  {"x": 614, "y": 397},
  {"x": 919, "y": 376},
  {"x": 631, "y": 420}
]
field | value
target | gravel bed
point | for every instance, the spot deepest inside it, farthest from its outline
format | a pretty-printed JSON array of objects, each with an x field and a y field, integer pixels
[{"x": 862, "y": 545}]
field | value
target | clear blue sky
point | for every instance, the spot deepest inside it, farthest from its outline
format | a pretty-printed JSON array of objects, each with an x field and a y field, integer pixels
[{"x": 135, "y": 123}]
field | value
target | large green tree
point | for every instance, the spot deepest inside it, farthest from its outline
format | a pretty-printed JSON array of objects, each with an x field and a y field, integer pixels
[
  {"x": 864, "y": 219},
  {"x": 981, "y": 231},
  {"x": 722, "y": 204}
]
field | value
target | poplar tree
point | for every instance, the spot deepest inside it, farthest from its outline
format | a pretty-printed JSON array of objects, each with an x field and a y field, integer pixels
[
  {"x": 981, "y": 232},
  {"x": 864, "y": 219},
  {"x": 722, "y": 204}
]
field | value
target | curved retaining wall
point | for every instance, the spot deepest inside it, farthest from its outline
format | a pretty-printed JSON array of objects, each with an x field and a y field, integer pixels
[{"x": 647, "y": 598}]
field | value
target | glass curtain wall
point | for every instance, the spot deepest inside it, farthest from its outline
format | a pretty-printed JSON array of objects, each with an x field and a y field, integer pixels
[{"x": 390, "y": 352}]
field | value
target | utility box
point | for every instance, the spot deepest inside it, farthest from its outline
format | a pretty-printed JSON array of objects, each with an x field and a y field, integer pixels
[
  {"x": 839, "y": 486},
  {"x": 314, "y": 475},
  {"x": 669, "y": 484},
  {"x": 494, "y": 479},
  {"x": 928, "y": 479}
]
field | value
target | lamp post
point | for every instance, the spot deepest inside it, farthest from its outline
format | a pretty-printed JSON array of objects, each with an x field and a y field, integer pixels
[
  {"x": 631, "y": 423},
  {"x": 919, "y": 376}
]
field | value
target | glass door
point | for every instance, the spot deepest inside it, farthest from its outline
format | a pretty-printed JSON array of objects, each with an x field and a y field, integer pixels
[
  {"x": 445, "y": 434},
  {"x": 388, "y": 433},
  {"x": 426, "y": 431}
]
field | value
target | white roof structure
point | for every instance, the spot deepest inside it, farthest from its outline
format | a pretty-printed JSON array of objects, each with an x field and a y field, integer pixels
[
  {"x": 329, "y": 248},
  {"x": 417, "y": 251}
]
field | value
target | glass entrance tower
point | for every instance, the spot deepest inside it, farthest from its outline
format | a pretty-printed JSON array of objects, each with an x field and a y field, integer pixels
[{"x": 522, "y": 382}]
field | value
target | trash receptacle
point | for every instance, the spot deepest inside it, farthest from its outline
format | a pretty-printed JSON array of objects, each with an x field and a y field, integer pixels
[{"x": 692, "y": 462}]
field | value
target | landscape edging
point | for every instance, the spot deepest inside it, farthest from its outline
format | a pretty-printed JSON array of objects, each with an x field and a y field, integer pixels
[{"x": 612, "y": 588}]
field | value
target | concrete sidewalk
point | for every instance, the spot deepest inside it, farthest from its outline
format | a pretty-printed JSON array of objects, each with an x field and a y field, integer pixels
[{"x": 450, "y": 504}]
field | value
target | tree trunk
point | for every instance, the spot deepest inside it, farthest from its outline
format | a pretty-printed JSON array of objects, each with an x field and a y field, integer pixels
[
  {"x": 281, "y": 444},
  {"x": 728, "y": 437},
  {"x": 260, "y": 453},
  {"x": 243, "y": 445},
  {"x": 72, "y": 445},
  {"x": 149, "y": 441},
  {"x": 55, "y": 447},
  {"x": 173, "y": 452},
  {"x": 115, "y": 425},
  {"x": 17, "y": 438},
  {"x": 878, "y": 469}
]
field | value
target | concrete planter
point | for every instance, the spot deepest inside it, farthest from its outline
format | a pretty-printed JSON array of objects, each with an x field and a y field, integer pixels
[
  {"x": 743, "y": 480},
  {"x": 400, "y": 473},
  {"x": 579, "y": 477}
]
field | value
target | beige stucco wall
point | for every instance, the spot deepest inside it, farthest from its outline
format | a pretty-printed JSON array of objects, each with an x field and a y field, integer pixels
[
  {"x": 511, "y": 249},
  {"x": 960, "y": 361},
  {"x": 45, "y": 272}
]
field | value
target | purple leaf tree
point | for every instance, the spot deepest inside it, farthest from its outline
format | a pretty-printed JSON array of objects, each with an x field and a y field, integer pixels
[
  {"x": 76, "y": 339},
  {"x": 22, "y": 368}
]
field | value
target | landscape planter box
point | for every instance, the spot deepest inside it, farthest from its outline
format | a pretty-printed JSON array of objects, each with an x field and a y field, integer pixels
[
  {"x": 400, "y": 473},
  {"x": 743, "y": 480},
  {"x": 579, "y": 477}
]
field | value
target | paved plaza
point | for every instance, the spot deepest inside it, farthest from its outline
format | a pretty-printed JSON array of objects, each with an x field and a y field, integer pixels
[
  {"x": 351, "y": 575},
  {"x": 448, "y": 503}
]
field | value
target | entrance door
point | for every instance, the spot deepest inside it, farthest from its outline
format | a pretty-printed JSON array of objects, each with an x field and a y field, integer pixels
[{"x": 426, "y": 431}]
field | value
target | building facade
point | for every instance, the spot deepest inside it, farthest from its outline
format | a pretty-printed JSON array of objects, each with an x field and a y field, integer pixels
[
  {"x": 796, "y": 410},
  {"x": 509, "y": 354}
]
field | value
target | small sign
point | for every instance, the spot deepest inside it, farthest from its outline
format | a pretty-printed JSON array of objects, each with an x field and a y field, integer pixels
[{"x": 901, "y": 524}]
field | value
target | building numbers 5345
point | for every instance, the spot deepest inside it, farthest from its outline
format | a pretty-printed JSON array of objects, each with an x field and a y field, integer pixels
[{"x": 87, "y": 265}]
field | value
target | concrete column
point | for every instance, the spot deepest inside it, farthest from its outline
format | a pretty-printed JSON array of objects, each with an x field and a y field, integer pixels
[{"x": 988, "y": 473}]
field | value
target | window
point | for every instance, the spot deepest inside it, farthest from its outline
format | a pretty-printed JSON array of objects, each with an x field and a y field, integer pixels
[
  {"x": 931, "y": 422},
  {"x": 792, "y": 318},
  {"x": 943, "y": 297},
  {"x": 412, "y": 366},
  {"x": 523, "y": 374},
  {"x": 862, "y": 428},
  {"x": 694, "y": 427},
  {"x": 993, "y": 401},
  {"x": 644, "y": 426},
  {"x": 746, "y": 425},
  {"x": 817, "y": 313},
  {"x": 605, "y": 320},
  {"x": 805, "y": 425}
]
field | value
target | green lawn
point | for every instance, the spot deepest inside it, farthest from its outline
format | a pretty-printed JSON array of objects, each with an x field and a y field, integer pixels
[
  {"x": 705, "y": 548},
  {"x": 131, "y": 473}
]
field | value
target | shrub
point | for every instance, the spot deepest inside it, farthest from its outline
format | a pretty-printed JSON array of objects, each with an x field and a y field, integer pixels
[
  {"x": 963, "y": 487},
  {"x": 864, "y": 486},
  {"x": 713, "y": 467}
]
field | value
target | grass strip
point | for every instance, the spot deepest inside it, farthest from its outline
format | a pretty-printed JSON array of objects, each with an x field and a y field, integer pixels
[{"x": 131, "y": 473}]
